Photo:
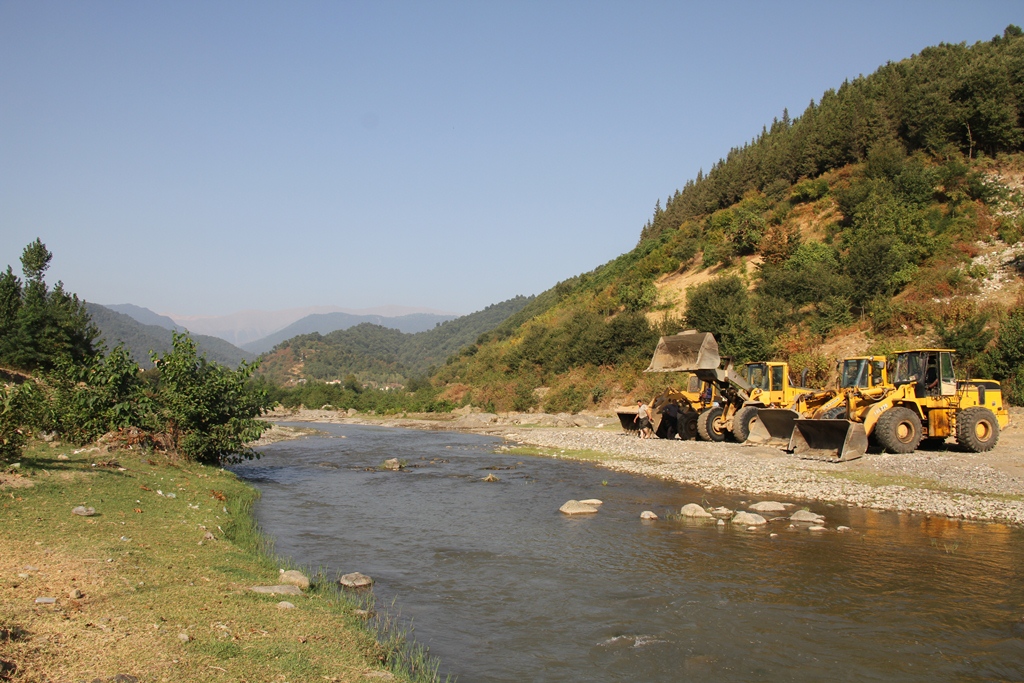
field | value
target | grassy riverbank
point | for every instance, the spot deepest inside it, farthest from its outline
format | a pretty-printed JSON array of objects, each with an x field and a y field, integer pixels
[{"x": 163, "y": 568}]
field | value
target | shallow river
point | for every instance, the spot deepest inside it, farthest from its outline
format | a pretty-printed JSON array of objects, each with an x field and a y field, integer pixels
[{"x": 502, "y": 587}]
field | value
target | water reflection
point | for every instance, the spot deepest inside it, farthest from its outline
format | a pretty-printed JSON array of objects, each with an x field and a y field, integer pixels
[{"x": 504, "y": 588}]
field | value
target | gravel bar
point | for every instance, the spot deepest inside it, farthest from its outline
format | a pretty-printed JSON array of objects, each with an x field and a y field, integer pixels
[{"x": 953, "y": 484}]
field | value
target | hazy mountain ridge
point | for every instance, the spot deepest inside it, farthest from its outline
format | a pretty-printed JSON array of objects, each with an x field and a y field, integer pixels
[
  {"x": 381, "y": 354},
  {"x": 325, "y": 323},
  {"x": 145, "y": 316},
  {"x": 245, "y": 327},
  {"x": 140, "y": 339}
]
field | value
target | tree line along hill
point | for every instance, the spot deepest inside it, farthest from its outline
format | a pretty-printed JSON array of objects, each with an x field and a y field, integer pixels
[{"x": 888, "y": 215}]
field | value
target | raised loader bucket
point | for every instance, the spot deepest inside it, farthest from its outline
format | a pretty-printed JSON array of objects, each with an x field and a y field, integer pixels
[
  {"x": 773, "y": 427},
  {"x": 831, "y": 440},
  {"x": 685, "y": 352}
]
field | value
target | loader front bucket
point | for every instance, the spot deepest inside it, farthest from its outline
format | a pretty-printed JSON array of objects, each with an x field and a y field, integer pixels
[
  {"x": 686, "y": 352},
  {"x": 627, "y": 417},
  {"x": 773, "y": 427},
  {"x": 830, "y": 440}
]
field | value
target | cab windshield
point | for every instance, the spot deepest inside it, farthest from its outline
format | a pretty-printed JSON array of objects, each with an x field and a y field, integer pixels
[
  {"x": 757, "y": 375},
  {"x": 909, "y": 367},
  {"x": 855, "y": 374}
]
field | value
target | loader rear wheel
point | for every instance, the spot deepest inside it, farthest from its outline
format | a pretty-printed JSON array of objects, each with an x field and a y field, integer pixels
[
  {"x": 899, "y": 430},
  {"x": 709, "y": 425},
  {"x": 742, "y": 421},
  {"x": 977, "y": 429},
  {"x": 688, "y": 426}
]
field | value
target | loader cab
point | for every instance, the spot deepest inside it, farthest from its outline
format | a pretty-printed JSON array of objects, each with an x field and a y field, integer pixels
[
  {"x": 863, "y": 373},
  {"x": 771, "y": 379},
  {"x": 929, "y": 370}
]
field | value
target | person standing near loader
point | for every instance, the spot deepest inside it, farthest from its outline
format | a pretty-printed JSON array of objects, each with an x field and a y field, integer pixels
[{"x": 643, "y": 418}]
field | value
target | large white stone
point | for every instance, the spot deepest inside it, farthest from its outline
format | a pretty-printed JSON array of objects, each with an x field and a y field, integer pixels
[
  {"x": 575, "y": 507},
  {"x": 749, "y": 519},
  {"x": 295, "y": 578},
  {"x": 767, "y": 506},
  {"x": 695, "y": 511},
  {"x": 806, "y": 516},
  {"x": 355, "y": 580}
]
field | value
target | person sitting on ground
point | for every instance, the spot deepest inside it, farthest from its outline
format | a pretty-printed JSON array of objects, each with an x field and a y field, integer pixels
[{"x": 643, "y": 418}]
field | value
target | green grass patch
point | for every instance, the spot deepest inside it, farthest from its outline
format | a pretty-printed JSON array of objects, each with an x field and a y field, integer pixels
[{"x": 161, "y": 600}]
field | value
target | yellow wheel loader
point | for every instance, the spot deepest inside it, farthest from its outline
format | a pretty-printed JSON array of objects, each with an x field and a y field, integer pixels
[
  {"x": 772, "y": 388},
  {"x": 681, "y": 420},
  {"x": 728, "y": 399},
  {"x": 863, "y": 377},
  {"x": 925, "y": 401}
]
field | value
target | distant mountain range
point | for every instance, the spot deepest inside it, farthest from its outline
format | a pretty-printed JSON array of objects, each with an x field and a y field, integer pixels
[
  {"x": 325, "y": 323},
  {"x": 382, "y": 354},
  {"x": 245, "y": 327},
  {"x": 145, "y": 316},
  {"x": 116, "y": 327}
]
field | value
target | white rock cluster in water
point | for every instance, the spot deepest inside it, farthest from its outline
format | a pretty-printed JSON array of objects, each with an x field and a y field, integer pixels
[
  {"x": 648, "y": 514},
  {"x": 773, "y": 475}
]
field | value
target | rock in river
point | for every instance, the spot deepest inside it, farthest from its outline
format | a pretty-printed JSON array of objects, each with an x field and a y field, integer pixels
[
  {"x": 806, "y": 516},
  {"x": 647, "y": 514},
  {"x": 767, "y": 506},
  {"x": 575, "y": 507},
  {"x": 749, "y": 519},
  {"x": 355, "y": 580},
  {"x": 694, "y": 510}
]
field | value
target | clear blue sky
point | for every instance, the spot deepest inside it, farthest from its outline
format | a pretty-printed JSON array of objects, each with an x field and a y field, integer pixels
[{"x": 206, "y": 157}]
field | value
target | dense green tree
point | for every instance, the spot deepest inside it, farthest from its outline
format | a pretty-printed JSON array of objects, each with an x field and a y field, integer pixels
[
  {"x": 208, "y": 411},
  {"x": 724, "y": 307},
  {"x": 38, "y": 326}
]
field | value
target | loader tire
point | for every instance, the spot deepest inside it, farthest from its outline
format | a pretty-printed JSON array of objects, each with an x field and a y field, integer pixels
[
  {"x": 688, "y": 426},
  {"x": 898, "y": 430},
  {"x": 709, "y": 425},
  {"x": 977, "y": 429},
  {"x": 742, "y": 421}
]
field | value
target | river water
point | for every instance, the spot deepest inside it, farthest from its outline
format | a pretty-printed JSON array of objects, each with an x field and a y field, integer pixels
[{"x": 502, "y": 587}]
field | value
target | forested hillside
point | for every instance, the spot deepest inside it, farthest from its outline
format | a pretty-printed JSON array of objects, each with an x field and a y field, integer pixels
[
  {"x": 325, "y": 323},
  {"x": 380, "y": 355},
  {"x": 117, "y": 328},
  {"x": 889, "y": 214}
]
